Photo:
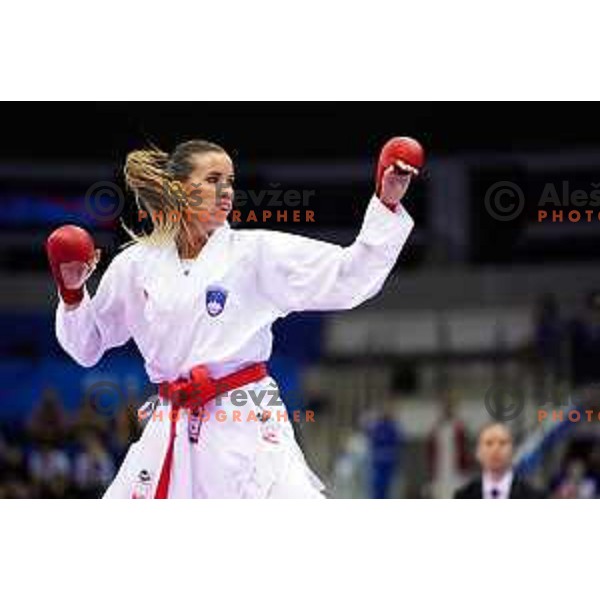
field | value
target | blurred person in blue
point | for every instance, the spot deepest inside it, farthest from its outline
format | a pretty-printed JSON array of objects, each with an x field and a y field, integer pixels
[{"x": 386, "y": 441}]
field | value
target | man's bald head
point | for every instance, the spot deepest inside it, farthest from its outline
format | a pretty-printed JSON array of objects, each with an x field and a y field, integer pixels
[{"x": 495, "y": 448}]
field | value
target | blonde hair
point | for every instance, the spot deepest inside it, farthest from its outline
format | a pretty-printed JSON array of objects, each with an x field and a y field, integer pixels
[{"x": 153, "y": 175}]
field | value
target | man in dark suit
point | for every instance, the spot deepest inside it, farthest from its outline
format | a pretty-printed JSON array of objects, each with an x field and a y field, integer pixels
[{"x": 497, "y": 479}]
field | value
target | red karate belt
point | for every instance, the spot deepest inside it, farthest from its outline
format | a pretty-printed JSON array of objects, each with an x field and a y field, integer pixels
[{"x": 194, "y": 393}]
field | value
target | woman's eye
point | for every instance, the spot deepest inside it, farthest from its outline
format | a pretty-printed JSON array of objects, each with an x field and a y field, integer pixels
[{"x": 212, "y": 180}]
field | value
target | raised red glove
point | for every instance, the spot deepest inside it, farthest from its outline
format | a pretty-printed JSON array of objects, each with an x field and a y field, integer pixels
[
  {"x": 67, "y": 244},
  {"x": 399, "y": 148}
]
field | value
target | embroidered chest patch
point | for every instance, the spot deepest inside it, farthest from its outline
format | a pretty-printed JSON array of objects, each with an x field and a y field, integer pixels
[{"x": 216, "y": 297}]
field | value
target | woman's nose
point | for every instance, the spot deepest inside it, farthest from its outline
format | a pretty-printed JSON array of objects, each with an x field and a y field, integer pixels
[{"x": 224, "y": 189}]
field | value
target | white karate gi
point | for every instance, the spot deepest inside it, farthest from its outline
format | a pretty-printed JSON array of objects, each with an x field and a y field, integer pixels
[{"x": 260, "y": 276}]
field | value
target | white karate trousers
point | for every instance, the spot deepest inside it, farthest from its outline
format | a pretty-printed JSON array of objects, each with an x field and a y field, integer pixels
[{"x": 237, "y": 455}]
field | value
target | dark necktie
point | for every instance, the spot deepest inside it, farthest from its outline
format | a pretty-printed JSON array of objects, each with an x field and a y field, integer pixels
[{"x": 495, "y": 494}]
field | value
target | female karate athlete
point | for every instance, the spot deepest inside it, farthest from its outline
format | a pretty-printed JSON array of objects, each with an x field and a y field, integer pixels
[{"x": 199, "y": 299}]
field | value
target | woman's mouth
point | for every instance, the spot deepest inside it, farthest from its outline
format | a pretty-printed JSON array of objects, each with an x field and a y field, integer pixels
[{"x": 225, "y": 204}]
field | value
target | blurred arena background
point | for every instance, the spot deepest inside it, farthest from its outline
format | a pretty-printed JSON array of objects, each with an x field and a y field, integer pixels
[{"x": 488, "y": 314}]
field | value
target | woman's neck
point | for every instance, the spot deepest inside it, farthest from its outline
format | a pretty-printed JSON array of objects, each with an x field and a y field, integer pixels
[{"x": 189, "y": 245}]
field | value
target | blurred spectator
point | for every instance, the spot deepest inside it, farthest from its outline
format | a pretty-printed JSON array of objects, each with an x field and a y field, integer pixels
[
  {"x": 94, "y": 468},
  {"x": 15, "y": 490},
  {"x": 52, "y": 455},
  {"x": 351, "y": 466},
  {"x": 584, "y": 342},
  {"x": 594, "y": 467},
  {"x": 48, "y": 422},
  {"x": 576, "y": 483},
  {"x": 385, "y": 445},
  {"x": 13, "y": 475},
  {"x": 50, "y": 470},
  {"x": 497, "y": 479},
  {"x": 88, "y": 419},
  {"x": 447, "y": 449},
  {"x": 549, "y": 332}
]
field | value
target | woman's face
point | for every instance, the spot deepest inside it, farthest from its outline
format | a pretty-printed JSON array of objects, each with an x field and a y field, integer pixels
[{"x": 209, "y": 190}]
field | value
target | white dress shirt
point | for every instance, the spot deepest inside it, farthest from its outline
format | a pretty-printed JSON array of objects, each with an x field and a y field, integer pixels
[{"x": 497, "y": 488}]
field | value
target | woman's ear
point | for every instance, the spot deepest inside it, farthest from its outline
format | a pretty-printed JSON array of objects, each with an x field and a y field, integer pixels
[
  {"x": 177, "y": 190},
  {"x": 193, "y": 194}
]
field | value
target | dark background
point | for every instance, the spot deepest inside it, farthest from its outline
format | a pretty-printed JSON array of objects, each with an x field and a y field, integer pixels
[{"x": 280, "y": 131}]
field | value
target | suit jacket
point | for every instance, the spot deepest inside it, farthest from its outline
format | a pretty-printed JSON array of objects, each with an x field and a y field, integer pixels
[{"x": 519, "y": 490}]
